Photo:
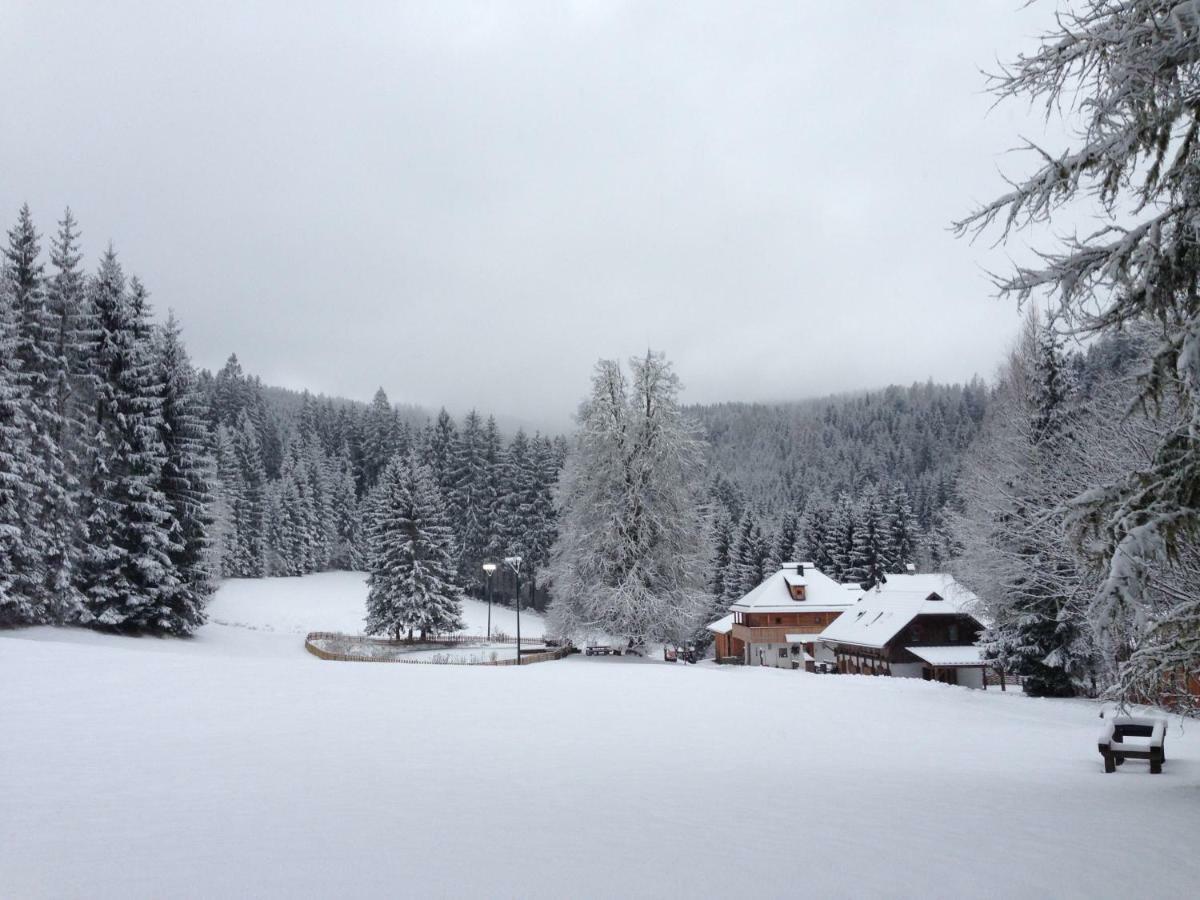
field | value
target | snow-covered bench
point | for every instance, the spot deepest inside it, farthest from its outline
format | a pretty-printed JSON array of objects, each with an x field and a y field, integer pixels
[
  {"x": 1134, "y": 737},
  {"x": 602, "y": 650}
]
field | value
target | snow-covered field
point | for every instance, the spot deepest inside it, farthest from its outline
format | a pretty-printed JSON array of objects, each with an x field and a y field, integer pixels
[{"x": 236, "y": 764}]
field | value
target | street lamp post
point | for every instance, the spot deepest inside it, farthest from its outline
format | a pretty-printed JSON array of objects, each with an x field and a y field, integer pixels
[
  {"x": 489, "y": 568},
  {"x": 514, "y": 563}
]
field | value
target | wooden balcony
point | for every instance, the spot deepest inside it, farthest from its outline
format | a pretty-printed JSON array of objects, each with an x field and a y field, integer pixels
[{"x": 773, "y": 634}]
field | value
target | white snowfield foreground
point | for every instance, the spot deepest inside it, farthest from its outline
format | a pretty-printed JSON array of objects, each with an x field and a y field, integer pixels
[{"x": 238, "y": 765}]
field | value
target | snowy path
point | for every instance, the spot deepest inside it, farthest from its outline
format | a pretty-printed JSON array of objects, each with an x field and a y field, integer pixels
[{"x": 200, "y": 771}]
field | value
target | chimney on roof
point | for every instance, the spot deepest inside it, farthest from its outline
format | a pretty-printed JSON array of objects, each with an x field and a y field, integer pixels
[{"x": 800, "y": 569}]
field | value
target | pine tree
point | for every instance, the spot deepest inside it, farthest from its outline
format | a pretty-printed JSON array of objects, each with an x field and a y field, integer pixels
[
  {"x": 184, "y": 484},
  {"x": 816, "y": 536},
  {"x": 902, "y": 525},
  {"x": 343, "y": 504},
  {"x": 229, "y": 494},
  {"x": 231, "y": 394},
  {"x": 493, "y": 463},
  {"x": 72, "y": 326},
  {"x": 19, "y": 562},
  {"x": 785, "y": 540},
  {"x": 751, "y": 560},
  {"x": 871, "y": 557},
  {"x": 41, "y": 372},
  {"x": 470, "y": 501},
  {"x": 722, "y": 552},
  {"x": 129, "y": 574},
  {"x": 842, "y": 538},
  {"x": 516, "y": 498},
  {"x": 412, "y": 585},
  {"x": 379, "y": 438},
  {"x": 249, "y": 513},
  {"x": 441, "y": 447},
  {"x": 542, "y": 525}
]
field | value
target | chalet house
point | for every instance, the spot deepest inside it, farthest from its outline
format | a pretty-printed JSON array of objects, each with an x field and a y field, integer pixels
[
  {"x": 779, "y": 623},
  {"x": 913, "y": 626}
]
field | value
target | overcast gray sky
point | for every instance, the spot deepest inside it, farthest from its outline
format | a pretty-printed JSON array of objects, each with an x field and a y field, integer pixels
[{"x": 470, "y": 203}]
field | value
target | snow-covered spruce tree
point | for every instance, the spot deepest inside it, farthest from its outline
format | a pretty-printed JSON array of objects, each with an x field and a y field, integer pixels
[
  {"x": 1019, "y": 476},
  {"x": 721, "y": 542},
  {"x": 786, "y": 538},
  {"x": 872, "y": 555},
  {"x": 543, "y": 518},
  {"x": 413, "y": 584},
  {"x": 515, "y": 508},
  {"x": 19, "y": 563},
  {"x": 40, "y": 371},
  {"x": 842, "y": 538},
  {"x": 249, "y": 561},
  {"x": 1128, "y": 73},
  {"x": 128, "y": 573},
  {"x": 816, "y": 536},
  {"x": 72, "y": 325},
  {"x": 633, "y": 534},
  {"x": 493, "y": 461},
  {"x": 343, "y": 504},
  {"x": 750, "y": 559},
  {"x": 440, "y": 450},
  {"x": 379, "y": 438},
  {"x": 184, "y": 483},
  {"x": 469, "y": 502},
  {"x": 229, "y": 496},
  {"x": 902, "y": 526}
]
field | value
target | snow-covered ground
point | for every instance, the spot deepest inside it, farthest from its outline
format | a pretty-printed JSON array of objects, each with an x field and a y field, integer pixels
[
  {"x": 230, "y": 765},
  {"x": 334, "y": 601}
]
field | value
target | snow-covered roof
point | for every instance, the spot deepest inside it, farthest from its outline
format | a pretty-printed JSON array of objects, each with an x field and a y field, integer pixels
[
  {"x": 723, "y": 625},
  {"x": 821, "y": 593},
  {"x": 882, "y": 612},
  {"x": 802, "y": 638},
  {"x": 969, "y": 655}
]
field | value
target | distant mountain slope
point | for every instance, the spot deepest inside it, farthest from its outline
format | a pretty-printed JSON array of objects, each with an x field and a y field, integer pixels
[{"x": 777, "y": 455}]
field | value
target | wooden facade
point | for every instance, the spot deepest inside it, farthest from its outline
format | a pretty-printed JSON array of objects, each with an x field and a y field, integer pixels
[
  {"x": 773, "y": 628},
  {"x": 927, "y": 630},
  {"x": 726, "y": 646}
]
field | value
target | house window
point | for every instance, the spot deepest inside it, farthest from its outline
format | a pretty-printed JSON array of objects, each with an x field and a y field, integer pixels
[
  {"x": 952, "y": 632},
  {"x": 783, "y": 652},
  {"x": 779, "y": 620}
]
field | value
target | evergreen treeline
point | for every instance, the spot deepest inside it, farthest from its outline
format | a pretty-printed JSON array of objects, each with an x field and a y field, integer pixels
[
  {"x": 858, "y": 485},
  {"x": 104, "y": 479},
  {"x": 129, "y": 483},
  {"x": 777, "y": 457},
  {"x": 297, "y": 483}
]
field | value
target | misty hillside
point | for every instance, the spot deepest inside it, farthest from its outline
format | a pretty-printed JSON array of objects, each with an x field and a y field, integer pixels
[
  {"x": 778, "y": 455},
  {"x": 775, "y": 456}
]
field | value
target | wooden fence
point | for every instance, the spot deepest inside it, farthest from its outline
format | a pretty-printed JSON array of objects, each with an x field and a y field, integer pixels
[{"x": 450, "y": 641}]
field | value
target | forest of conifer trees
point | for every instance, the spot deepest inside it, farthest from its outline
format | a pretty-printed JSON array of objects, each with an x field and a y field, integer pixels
[{"x": 130, "y": 483}]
